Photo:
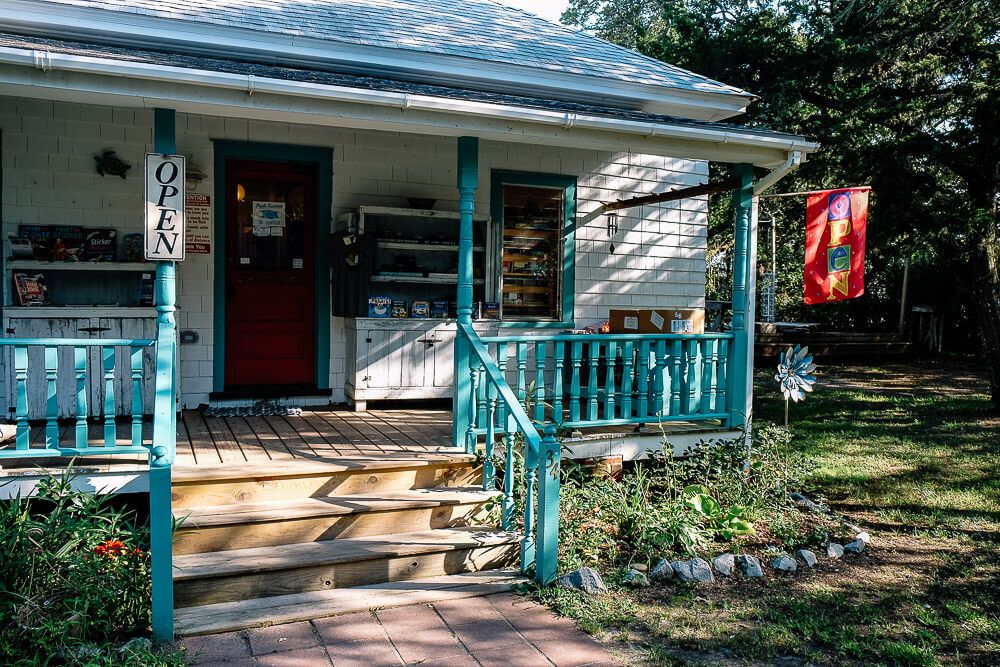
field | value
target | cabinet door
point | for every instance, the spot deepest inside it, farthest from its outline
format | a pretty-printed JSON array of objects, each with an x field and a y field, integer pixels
[{"x": 444, "y": 358}]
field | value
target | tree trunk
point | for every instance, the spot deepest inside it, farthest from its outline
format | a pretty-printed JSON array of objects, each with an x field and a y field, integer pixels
[{"x": 986, "y": 299}]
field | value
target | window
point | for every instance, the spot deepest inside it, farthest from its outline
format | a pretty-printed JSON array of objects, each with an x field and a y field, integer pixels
[{"x": 535, "y": 245}]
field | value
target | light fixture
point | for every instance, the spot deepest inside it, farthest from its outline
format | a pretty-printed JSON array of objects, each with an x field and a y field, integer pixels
[
  {"x": 193, "y": 175},
  {"x": 241, "y": 193}
]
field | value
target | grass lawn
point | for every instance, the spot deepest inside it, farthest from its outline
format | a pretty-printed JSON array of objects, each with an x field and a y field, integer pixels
[{"x": 911, "y": 452}]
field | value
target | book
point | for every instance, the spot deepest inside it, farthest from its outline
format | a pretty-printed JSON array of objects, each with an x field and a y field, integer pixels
[
  {"x": 31, "y": 289},
  {"x": 99, "y": 245},
  {"x": 132, "y": 244},
  {"x": 54, "y": 243},
  {"x": 379, "y": 307},
  {"x": 491, "y": 310},
  {"x": 399, "y": 309},
  {"x": 439, "y": 309},
  {"x": 146, "y": 289},
  {"x": 420, "y": 309}
]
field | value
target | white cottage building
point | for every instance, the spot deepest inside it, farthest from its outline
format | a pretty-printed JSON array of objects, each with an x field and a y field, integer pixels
[{"x": 386, "y": 201}]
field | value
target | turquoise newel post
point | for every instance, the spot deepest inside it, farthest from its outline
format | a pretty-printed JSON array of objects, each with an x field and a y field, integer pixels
[
  {"x": 164, "y": 420},
  {"x": 547, "y": 529},
  {"x": 740, "y": 354},
  {"x": 468, "y": 181}
]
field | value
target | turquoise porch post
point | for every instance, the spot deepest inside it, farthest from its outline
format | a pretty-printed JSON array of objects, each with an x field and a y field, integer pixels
[
  {"x": 164, "y": 419},
  {"x": 468, "y": 181},
  {"x": 739, "y": 391}
]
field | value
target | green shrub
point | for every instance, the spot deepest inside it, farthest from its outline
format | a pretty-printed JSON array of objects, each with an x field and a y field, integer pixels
[{"x": 74, "y": 575}]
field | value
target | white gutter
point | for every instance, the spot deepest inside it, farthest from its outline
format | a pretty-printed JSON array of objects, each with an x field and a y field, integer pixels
[
  {"x": 254, "y": 84},
  {"x": 220, "y": 41},
  {"x": 795, "y": 158}
]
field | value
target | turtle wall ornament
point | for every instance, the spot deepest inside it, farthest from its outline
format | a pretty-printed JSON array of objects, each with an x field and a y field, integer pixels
[
  {"x": 795, "y": 375},
  {"x": 108, "y": 163}
]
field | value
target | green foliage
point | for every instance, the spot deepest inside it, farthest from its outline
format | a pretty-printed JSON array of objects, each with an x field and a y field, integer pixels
[
  {"x": 74, "y": 575},
  {"x": 727, "y": 523}
]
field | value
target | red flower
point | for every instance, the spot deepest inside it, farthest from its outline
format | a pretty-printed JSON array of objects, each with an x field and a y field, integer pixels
[{"x": 111, "y": 548}]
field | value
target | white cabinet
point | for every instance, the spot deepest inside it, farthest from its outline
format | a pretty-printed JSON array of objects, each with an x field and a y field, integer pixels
[
  {"x": 82, "y": 322},
  {"x": 402, "y": 358}
]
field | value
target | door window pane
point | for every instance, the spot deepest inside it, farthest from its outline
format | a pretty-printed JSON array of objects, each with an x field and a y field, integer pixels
[
  {"x": 270, "y": 224},
  {"x": 533, "y": 219}
]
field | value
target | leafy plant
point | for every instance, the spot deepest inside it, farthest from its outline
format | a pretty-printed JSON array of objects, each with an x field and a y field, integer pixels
[
  {"x": 74, "y": 574},
  {"x": 725, "y": 522}
]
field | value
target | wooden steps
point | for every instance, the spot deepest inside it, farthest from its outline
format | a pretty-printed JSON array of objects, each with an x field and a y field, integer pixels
[
  {"x": 261, "y": 537},
  {"x": 261, "y": 612}
]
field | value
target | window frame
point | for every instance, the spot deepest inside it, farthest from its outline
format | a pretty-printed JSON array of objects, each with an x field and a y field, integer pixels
[{"x": 568, "y": 184}]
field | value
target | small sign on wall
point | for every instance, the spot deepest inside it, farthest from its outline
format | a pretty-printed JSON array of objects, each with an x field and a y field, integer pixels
[
  {"x": 164, "y": 232},
  {"x": 198, "y": 221}
]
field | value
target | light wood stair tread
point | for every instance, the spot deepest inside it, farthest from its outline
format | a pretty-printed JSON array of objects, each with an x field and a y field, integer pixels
[
  {"x": 283, "y": 510},
  {"x": 318, "y": 466},
  {"x": 226, "y": 616},
  {"x": 306, "y": 554}
]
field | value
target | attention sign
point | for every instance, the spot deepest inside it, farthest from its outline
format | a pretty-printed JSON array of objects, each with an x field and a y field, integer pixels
[
  {"x": 164, "y": 237},
  {"x": 836, "y": 225}
]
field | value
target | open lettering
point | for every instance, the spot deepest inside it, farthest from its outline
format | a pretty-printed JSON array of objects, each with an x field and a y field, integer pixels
[{"x": 164, "y": 207}]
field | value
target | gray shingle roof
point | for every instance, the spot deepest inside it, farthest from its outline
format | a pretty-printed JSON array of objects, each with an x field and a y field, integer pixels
[
  {"x": 477, "y": 29},
  {"x": 362, "y": 82}
]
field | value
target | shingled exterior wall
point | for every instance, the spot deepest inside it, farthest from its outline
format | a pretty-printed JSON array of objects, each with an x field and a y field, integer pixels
[{"x": 49, "y": 177}]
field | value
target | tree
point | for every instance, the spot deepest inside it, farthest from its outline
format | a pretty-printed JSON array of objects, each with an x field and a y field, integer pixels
[{"x": 903, "y": 95}]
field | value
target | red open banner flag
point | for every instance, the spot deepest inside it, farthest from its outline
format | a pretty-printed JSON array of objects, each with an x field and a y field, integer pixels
[{"x": 835, "y": 244}]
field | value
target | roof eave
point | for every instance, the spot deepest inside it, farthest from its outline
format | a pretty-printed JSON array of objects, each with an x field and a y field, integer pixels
[{"x": 194, "y": 38}]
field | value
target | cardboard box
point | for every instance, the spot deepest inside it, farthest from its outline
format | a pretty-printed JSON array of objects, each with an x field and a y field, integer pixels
[{"x": 657, "y": 320}]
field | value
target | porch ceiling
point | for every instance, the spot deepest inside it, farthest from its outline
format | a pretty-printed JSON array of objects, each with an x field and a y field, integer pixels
[{"x": 76, "y": 71}]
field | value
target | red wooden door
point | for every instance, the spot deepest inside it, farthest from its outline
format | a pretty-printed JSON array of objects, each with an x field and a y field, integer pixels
[{"x": 270, "y": 275}]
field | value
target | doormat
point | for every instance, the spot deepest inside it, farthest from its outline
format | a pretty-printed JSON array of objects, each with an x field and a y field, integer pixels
[{"x": 266, "y": 408}]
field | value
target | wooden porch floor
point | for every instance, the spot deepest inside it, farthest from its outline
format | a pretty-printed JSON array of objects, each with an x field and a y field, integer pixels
[{"x": 315, "y": 435}]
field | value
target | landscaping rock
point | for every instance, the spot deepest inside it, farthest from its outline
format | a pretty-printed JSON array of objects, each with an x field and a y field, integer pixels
[
  {"x": 693, "y": 571},
  {"x": 855, "y": 547},
  {"x": 724, "y": 564},
  {"x": 640, "y": 567},
  {"x": 784, "y": 563},
  {"x": 661, "y": 572},
  {"x": 863, "y": 537},
  {"x": 136, "y": 645},
  {"x": 807, "y": 557},
  {"x": 584, "y": 579},
  {"x": 834, "y": 550},
  {"x": 749, "y": 566},
  {"x": 635, "y": 579}
]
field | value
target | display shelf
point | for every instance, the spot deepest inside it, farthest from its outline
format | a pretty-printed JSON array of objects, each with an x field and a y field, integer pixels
[
  {"x": 414, "y": 245},
  {"x": 37, "y": 265},
  {"x": 421, "y": 279}
]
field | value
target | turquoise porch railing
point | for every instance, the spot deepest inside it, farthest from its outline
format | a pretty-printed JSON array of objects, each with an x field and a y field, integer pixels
[
  {"x": 579, "y": 381},
  {"x": 540, "y": 544}
]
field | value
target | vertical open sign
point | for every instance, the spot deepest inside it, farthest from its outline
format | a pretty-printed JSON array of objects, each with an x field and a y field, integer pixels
[{"x": 164, "y": 207}]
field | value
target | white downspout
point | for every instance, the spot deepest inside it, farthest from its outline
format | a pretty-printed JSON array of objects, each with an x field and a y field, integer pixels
[{"x": 795, "y": 158}]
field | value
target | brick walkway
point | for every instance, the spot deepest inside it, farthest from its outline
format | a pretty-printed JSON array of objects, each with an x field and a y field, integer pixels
[{"x": 502, "y": 629}]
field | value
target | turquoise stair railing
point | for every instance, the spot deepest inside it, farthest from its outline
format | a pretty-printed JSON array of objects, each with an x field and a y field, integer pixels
[
  {"x": 580, "y": 381},
  {"x": 540, "y": 544}
]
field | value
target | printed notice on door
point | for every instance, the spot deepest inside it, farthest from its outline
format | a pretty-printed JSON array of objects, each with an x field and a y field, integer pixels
[
  {"x": 268, "y": 218},
  {"x": 199, "y": 224}
]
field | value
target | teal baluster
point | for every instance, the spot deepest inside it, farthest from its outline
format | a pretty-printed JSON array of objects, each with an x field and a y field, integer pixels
[
  {"x": 742, "y": 321},
  {"x": 676, "y": 369},
  {"x": 528, "y": 542},
  {"x": 707, "y": 364},
  {"x": 547, "y": 532},
  {"x": 489, "y": 468},
  {"x": 721, "y": 404},
  {"x": 557, "y": 382},
  {"x": 610, "y": 363},
  {"x": 522, "y": 367},
  {"x": 502, "y": 365},
  {"x": 136, "y": 358},
  {"x": 539, "y": 397},
  {"x": 626, "y": 401},
  {"x": 110, "y": 430},
  {"x": 52, "y": 399},
  {"x": 659, "y": 365},
  {"x": 23, "y": 432},
  {"x": 480, "y": 393},
  {"x": 507, "y": 508},
  {"x": 692, "y": 378},
  {"x": 470, "y": 431},
  {"x": 574, "y": 382},
  {"x": 80, "y": 362},
  {"x": 642, "y": 375},
  {"x": 594, "y": 350}
]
